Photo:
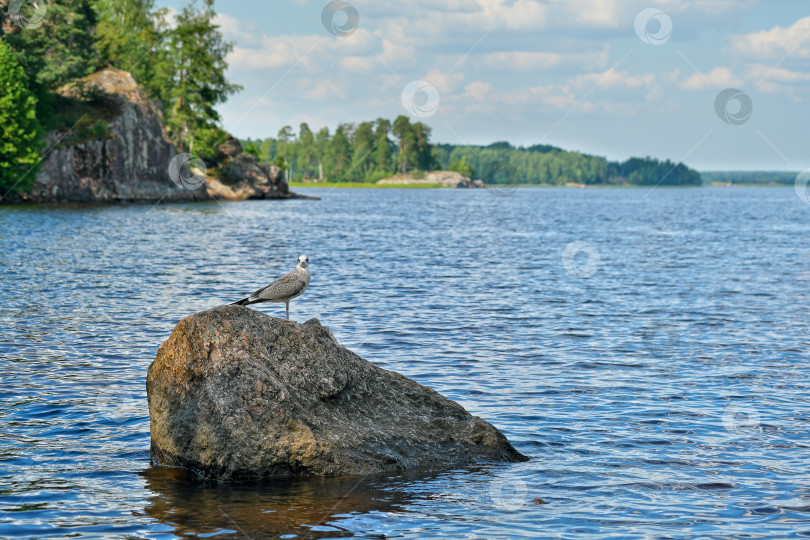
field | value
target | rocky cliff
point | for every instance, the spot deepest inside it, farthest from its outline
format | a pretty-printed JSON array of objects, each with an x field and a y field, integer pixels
[
  {"x": 125, "y": 154},
  {"x": 236, "y": 394}
]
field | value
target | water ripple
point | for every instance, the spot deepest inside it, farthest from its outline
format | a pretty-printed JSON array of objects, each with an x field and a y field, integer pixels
[{"x": 665, "y": 395}]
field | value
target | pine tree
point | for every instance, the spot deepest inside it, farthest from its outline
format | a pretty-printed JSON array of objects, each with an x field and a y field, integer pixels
[
  {"x": 197, "y": 51},
  {"x": 20, "y": 131},
  {"x": 60, "y": 50},
  {"x": 340, "y": 151},
  {"x": 132, "y": 36},
  {"x": 323, "y": 152},
  {"x": 383, "y": 153},
  {"x": 285, "y": 136},
  {"x": 362, "y": 160},
  {"x": 424, "y": 152},
  {"x": 307, "y": 160}
]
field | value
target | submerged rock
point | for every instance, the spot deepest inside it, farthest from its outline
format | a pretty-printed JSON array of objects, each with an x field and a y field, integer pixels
[{"x": 236, "y": 394}]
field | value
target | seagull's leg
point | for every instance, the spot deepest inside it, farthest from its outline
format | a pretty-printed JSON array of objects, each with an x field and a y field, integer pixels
[{"x": 288, "y": 310}]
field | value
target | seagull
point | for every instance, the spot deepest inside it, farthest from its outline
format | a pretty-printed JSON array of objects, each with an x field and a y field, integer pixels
[{"x": 284, "y": 288}]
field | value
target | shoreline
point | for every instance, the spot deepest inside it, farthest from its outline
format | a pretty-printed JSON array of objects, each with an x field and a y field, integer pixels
[{"x": 368, "y": 185}]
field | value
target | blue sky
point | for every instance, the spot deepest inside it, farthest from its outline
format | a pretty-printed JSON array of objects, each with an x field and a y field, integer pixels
[{"x": 618, "y": 78}]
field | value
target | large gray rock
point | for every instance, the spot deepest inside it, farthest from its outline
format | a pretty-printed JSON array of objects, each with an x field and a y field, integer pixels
[
  {"x": 243, "y": 177},
  {"x": 236, "y": 394}
]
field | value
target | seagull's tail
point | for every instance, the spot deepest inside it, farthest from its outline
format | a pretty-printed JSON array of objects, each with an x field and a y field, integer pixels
[{"x": 243, "y": 302}]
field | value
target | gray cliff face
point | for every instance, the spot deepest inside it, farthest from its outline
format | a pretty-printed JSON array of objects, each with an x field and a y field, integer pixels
[
  {"x": 131, "y": 161},
  {"x": 236, "y": 394},
  {"x": 130, "y": 164}
]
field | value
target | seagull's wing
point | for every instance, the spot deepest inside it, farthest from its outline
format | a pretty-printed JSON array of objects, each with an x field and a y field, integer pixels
[{"x": 281, "y": 289}]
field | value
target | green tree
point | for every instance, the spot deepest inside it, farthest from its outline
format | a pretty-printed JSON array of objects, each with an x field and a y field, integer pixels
[
  {"x": 362, "y": 159},
  {"x": 340, "y": 152},
  {"x": 307, "y": 155},
  {"x": 407, "y": 157},
  {"x": 425, "y": 160},
  {"x": 323, "y": 151},
  {"x": 132, "y": 36},
  {"x": 197, "y": 52},
  {"x": 383, "y": 151},
  {"x": 267, "y": 150},
  {"x": 462, "y": 167},
  {"x": 500, "y": 163},
  {"x": 60, "y": 50},
  {"x": 20, "y": 131},
  {"x": 252, "y": 148},
  {"x": 285, "y": 136}
]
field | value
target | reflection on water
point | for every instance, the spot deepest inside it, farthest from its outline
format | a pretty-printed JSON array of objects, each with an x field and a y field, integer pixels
[
  {"x": 306, "y": 507},
  {"x": 648, "y": 351}
]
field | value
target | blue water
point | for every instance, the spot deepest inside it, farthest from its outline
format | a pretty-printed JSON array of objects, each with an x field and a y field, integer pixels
[{"x": 647, "y": 349}]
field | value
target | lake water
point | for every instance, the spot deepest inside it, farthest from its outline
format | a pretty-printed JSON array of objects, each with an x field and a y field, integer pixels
[{"x": 647, "y": 350}]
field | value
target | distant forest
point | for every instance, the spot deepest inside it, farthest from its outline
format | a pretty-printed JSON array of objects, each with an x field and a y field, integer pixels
[
  {"x": 749, "y": 177},
  {"x": 369, "y": 151}
]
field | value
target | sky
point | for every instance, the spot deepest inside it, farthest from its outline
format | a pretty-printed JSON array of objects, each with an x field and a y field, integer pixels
[{"x": 717, "y": 84}]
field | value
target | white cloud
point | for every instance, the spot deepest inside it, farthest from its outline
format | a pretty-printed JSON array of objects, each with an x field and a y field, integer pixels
[
  {"x": 575, "y": 91},
  {"x": 360, "y": 65},
  {"x": 272, "y": 53},
  {"x": 613, "y": 78},
  {"x": 760, "y": 72},
  {"x": 719, "y": 77},
  {"x": 526, "y": 15},
  {"x": 522, "y": 61},
  {"x": 445, "y": 83},
  {"x": 776, "y": 43},
  {"x": 479, "y": 91},
  {"x": 592, "y": 13},
  {"x": 322, "y": 89},
  {"x": 234, "y": 30}
]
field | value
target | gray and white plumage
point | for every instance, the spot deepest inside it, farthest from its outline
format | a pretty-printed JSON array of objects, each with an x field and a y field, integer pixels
[{"x": 284, "y": 288}]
